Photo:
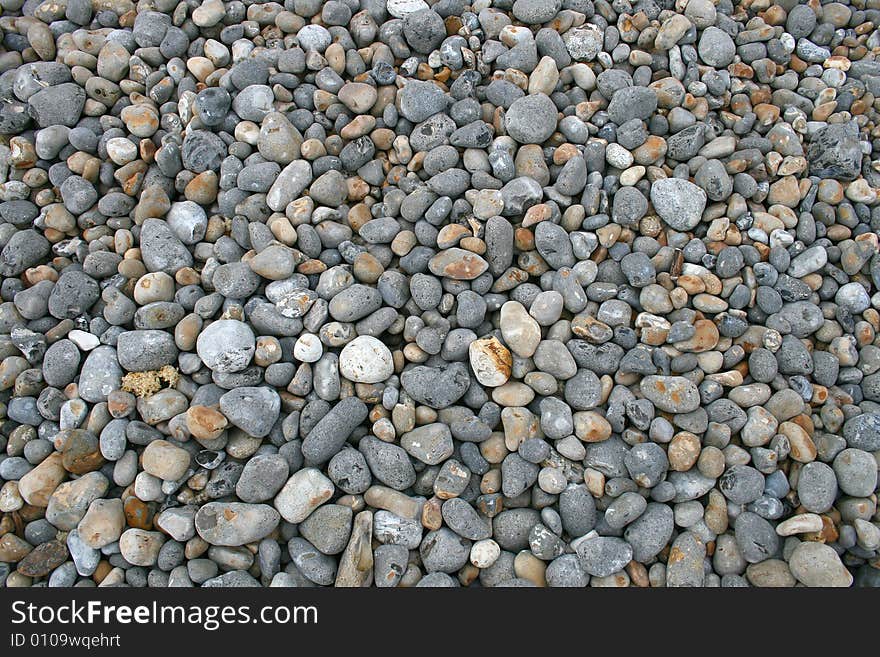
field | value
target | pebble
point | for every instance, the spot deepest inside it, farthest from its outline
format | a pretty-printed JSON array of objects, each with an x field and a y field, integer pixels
[
  {"x": 556, "y": 294},
  {"x": 304, "y": 492},
  {"x": 262, "y": 477},
  {"x": 716, "y": 48},
  {"x": 679, "y": 203},
  {"x": 331, "y": 431},
  {"x": 685, "y": 565},
  {"x": 755, "y": 536},
  {"x": 165, "y": 460},
  {"x": 328, "y": 528},
  {"x": 235, "y": 523},
  {"x": 817, "y": 487},
  {"x": 602, "y": 556},
  {"x": 421, "y": 100},
  {"x": 43, "y": 559},
  {"x": 140, "y": 547},
  {"x": 431, "y": 444},
  {"x": 531, "y": 119},
  {"x": 366, "y": 360},
  {"x": 102, "y": 524},
  {"x": 226, "y": 345},
  {"x": 37, "y": 485},
  {"x": 444, "y": 551},
  {"x": 254, "y": 410},
  {"x": 815, "y": 564},
  {"x": 673, "y": 394},
  {"x": 71, "y": 500},
  {"x": 491, "y": 361}
]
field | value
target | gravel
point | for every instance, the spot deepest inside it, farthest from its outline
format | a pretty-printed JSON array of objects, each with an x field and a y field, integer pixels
[{"x": 400, "y": 294}]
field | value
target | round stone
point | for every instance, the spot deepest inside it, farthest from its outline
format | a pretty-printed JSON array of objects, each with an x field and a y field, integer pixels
[
  {"x": 366, "y": 360},
  {"x": 226, "y": 345},
  {"x": 531, "y": 119}
]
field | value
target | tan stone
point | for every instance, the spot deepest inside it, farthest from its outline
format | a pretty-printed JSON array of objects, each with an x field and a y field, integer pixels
[
  {"x": 683, "y": 451},
  {"x": 527, "y": 566},
  {"x": 457, "y": 264},
  {"x": 591, "y": 427},
  {"x": 165, "y": 461},
  {"x": 141, "y": 548},
  {"x": 205, "y": 422},
  {"x": 103, "y": 523},
  {"x": 803, "y": 449},
  {"x": 37, "y": 486},
  {"x": 491, "y": 361}
]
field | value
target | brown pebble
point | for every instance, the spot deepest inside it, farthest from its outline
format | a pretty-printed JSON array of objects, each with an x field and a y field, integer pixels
[{"x": 43, "y": 559}]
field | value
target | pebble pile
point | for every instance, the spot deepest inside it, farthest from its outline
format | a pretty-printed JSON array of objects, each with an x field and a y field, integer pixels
[{"x": 411, "y": 293}]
